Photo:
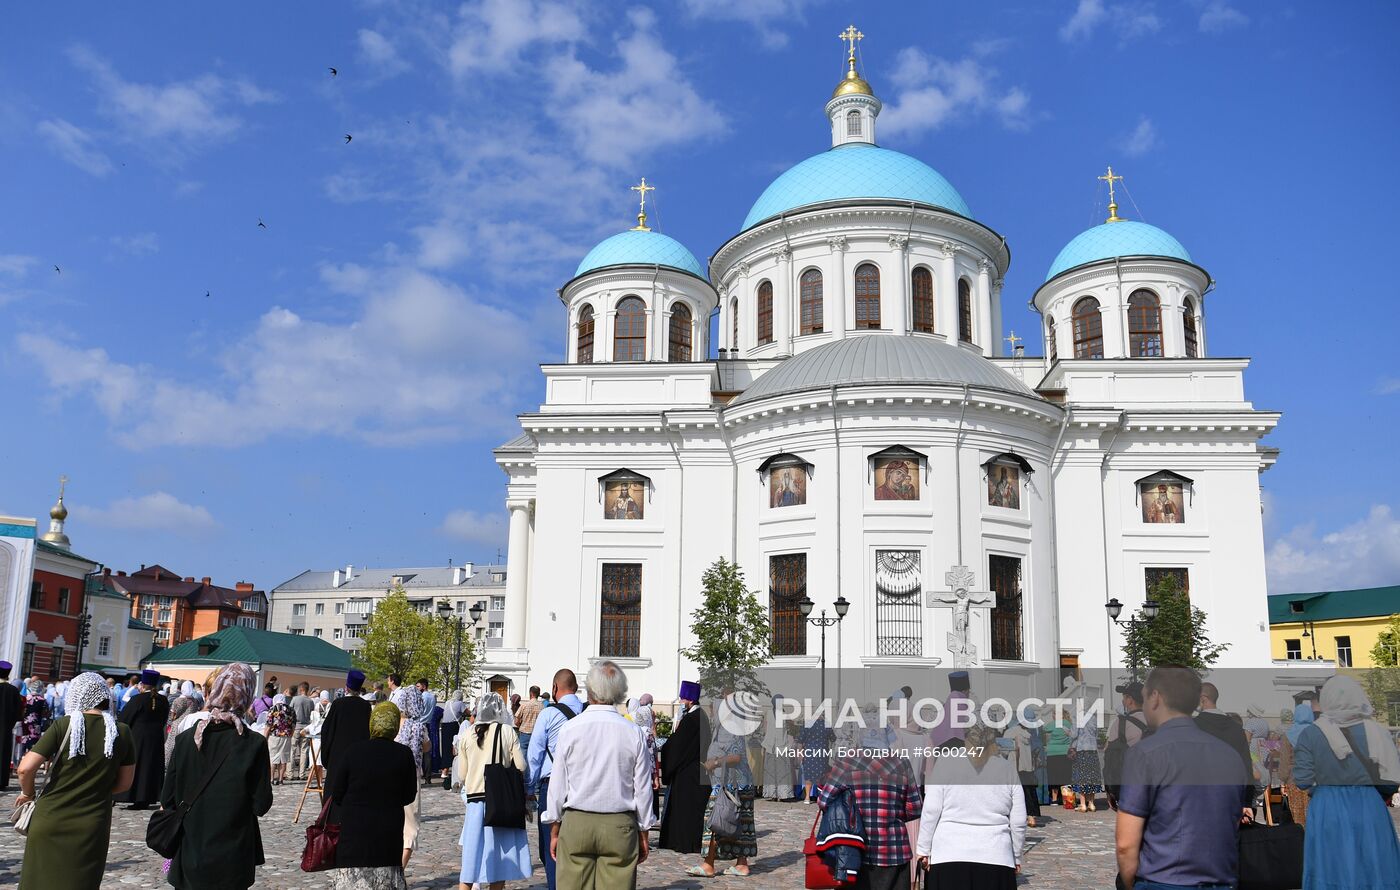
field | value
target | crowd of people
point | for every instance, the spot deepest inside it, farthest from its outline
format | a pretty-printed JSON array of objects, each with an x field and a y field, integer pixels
[{"x": 1182, "y": 776}]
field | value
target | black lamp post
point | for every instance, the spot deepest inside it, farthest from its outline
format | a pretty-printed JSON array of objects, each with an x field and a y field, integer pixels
[
  {"x": 1308, "y": 634},
  {"x": 842, "y": 607},
  {"x": 446, "y": 613},
  {"x": 1150, "y": 608}
]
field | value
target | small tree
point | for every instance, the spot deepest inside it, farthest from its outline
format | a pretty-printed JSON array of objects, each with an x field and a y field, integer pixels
[
  {"x": 1176, "y": 636},
  {"x": 401, "y": 640},
  {"x": 448, "y": 667},
  {"x": 731, "y": 630},
  {"x": 1383, "y": 678}
]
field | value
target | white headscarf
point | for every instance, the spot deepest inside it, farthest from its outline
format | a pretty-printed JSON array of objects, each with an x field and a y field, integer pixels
[
  {"x": 84, "y": 692},
  {"x": 1344, "y": 703},
  {"x": 491, "y": 708}
]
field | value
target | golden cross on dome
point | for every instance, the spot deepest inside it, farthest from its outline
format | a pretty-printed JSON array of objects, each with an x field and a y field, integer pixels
[
  {"x": 641, "y": 225},
  {"x": 1112, "y": 203},
  {"x": 62, "y": 482},
  {"x": 1013, "y": 340},
  {"x": 851, "y": 36}
]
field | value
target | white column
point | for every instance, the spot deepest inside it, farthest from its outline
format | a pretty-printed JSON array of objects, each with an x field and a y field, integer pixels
[
  {"x": 782, "y": 302},
  {"x": 1173, "y": 331},
  {"x": 982, "y": 308},
  {"x": 836, "y": 316},
  {"x": 998, "y": 332},
  {"x": 517, "y": 573},
  {"x": 946, "y": 297},
  {"x": 748, "y": 316},
  {"x": 899, "y": 289},
  {"x": 656, "y": 349}
]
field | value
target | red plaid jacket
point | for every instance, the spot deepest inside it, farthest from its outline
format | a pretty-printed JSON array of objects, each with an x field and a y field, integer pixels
[{"x": 886, "y": 796}]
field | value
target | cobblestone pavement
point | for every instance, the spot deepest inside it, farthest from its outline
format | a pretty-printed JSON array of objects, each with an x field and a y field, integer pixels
[{"x": 1071, "y": 851}]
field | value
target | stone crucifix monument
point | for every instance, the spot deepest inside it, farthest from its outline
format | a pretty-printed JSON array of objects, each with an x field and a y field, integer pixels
[{"x": 962, "y": 598}]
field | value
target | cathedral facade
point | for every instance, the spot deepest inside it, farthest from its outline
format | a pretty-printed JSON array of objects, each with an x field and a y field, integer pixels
[{"x": 860, "y": 439}]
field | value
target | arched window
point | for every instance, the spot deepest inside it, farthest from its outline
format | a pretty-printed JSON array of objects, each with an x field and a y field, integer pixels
[
  {"x": 680, "y": 333},
  {"x": 964, "y": 310},
  {"x": 734, "y": 323},
  {"x": 1088, "y": 329},
  {"x": 1144, "y": 324},
  {"x": 853, "y": 123},
  {"x": 867, "y": 296},
  {"x": 765, "y": 313},
  {"x": 1051, "y": 346},
  {"x": 921, "y": 285},
  {"x": 630, "y": 331},
  {"x": 585, "y": 336},
  {"x": 1188, "y": 324},
  {"x": 812, "y": 302}
]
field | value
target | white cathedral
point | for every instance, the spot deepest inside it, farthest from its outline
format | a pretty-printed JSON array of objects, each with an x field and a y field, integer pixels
[{"x": 863, "y": 434}]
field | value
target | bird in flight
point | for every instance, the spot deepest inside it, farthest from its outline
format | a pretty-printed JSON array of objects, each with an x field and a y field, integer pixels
[
  {"x": 261, "y": 224},
  {"x": 58, "y": 270},
  {"x": 333, "y": 72},
  {"x": 206, "y": 293},
  {"x": 348, "y": 137}
]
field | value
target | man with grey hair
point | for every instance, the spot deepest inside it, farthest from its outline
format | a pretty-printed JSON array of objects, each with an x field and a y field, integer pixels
[{"x": 599, "y": 807}]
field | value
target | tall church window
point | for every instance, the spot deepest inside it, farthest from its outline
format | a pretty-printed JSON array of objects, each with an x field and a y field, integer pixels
[
  {"x": 734, "y": 323},
  {"x": 899, "y": 628},
  {"x": 964, "y": 310},
  {"x": 1005, "y": 572},
  {"x": 630, "y": 332},
  {"x": 867, "y": 296},
  {"x": 1158, "y": 578},
  {"x": 787, "y": 587},
  {"x": 1188, "y": 324},
  {"x": 1088, "y": 329},
  {"x": 811, "y": 301},
  {"x": 1050, "y": 338},
  {"x": 1144, "y": 325},
  {"x": 853, "y": 123},
  {"x": 921, "y": 285},
  {"x": 680, "y": 333},
  {"x": 765, "y": 313},
  {"x": 620, "y": 635},
  {"x": 585, "y": 336}
]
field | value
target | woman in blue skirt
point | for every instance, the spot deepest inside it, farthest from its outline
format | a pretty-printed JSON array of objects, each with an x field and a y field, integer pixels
[
  {"x": 490, "y": 855},
  {"x": 1345, "y": 759}
]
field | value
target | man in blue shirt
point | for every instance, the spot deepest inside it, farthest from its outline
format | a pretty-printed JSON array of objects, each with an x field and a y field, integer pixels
[
  {"x": 544, "y": 741},
  {"x": 1184, "y": 792}
]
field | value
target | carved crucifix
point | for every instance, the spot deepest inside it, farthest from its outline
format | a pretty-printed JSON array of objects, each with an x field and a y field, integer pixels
[{"x": 962, "y": 598}]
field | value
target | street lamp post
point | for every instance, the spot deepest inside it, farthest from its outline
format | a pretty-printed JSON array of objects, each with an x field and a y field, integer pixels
[
  {"x": 1150, "y": 608},
  {"x": 1308, "y": 633},
  {"x": 842, "y": 607},
  {"x": 446, "y": 613}
]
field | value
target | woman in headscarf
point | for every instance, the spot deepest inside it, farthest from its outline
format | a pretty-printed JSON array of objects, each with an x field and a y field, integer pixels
[
  {"x": 777, "y": 759},
  {"x": 640, "y": 712},
  {"x": 728, "y": 765},
  {"x": 374, "y": 781},
  {"x": 1343, "y": 759},
  {"x": 178, "y": 709},
  {"x": 91, "y": 758},
  {"x": 36, "y": 716},
  {"x": 413, "y": 736},
  {"x": 188, "y": 688},
  {"x": 973, "y": 828},
  {"x": 222, "y": 845},
  {"x": 490, "y": 855},
  {"x": 1025, "y": 737},
  {"x": 453, "y": 717},
  {"x": 1302, "y": 718},
  {"x": 1086, "y": 772}
]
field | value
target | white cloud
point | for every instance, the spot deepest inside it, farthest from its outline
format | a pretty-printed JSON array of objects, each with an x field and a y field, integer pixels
[
  {"x": 136, "y": 245},
  {"x": 931, "y": 92},
  {"x": 766, "y": 17},
  {"x": 17, "y": 264},
  {"x": 1365, "y": 553},
  {"x": 485, "y": 529},
  {"x": 1087, "y": 16},
  {"x": 75, "y": 145},
  {"x": 380, "y": 53},
  {"x": 1220, "y": 16},
  {"x": 422, "y": 360},
  {"x": 158, "y": 511},
  {"x": 1129, "y": 19},
  {"x": 492, "y": 34},
  {"x": 1142, "y": 139},
  {"x": 1388, "y": 386}
]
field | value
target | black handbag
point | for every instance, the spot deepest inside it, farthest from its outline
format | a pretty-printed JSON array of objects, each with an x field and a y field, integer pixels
[
  {"x": 167, "y": 827},
  {"x": 1271, "y": 856},
  {"x": 505, "y": 790}
]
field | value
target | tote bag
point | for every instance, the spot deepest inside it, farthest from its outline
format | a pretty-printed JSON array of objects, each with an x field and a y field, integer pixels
[{"x": 505, "y": 790}]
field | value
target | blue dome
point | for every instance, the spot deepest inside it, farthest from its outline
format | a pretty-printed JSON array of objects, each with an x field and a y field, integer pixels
[
  {"x": 856, "y": 171},
  {"x": 1124, "y": 238},
  {"x": 637, "y": 248}
]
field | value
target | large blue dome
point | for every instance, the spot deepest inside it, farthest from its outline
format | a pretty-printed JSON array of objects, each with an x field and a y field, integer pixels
[
  {"x": 855, "y": 171},
  {"x": 641, "y": 248},
  {"x": 1117, "y": 239}
]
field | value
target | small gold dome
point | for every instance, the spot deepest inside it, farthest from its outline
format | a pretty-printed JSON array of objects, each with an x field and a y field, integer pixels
[
  {"x": 852, "y": 84},
  {"x": 59, "y": 511}
]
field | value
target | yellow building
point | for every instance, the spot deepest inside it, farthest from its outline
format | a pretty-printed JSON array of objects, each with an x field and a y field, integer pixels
[{"x": 1338, "y": 625}]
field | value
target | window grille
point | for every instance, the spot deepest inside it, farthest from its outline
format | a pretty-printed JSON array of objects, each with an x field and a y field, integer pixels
[
  {"x": 620, "y": 635},
  {"x": 899, "y": 628},
  {"x": 787, "y": 587},
  {"x": 1005, "y": 574}
]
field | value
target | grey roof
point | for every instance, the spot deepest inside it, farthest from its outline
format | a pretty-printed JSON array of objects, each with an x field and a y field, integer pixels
[
  {"x": 522, "y": 442},
  {"x": 882, "y": 358},
  {"x": 376, "y": 580}
]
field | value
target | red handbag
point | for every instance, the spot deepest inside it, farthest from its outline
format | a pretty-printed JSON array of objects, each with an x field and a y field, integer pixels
[
  {"x": 820, "y": 876},
  {"x": 322, "y": 837}
]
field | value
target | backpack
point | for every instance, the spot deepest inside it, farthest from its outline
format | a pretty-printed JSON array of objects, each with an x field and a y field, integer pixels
[
  {"x": 569, "y": 714},
  {"x": 1115, "y": 752}
]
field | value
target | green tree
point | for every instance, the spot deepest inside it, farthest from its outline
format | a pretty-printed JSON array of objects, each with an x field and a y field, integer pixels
[
  {"x": 1176, "y": 636},
  {"x": 449, "y": 666},
  {"x": 401, "y": 640},
  {"x": 731, "y": 630},
  {"x": 1382, "y": 679}
]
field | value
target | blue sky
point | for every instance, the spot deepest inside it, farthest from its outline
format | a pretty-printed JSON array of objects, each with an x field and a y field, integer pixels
[{"x": 335, "y": 396}]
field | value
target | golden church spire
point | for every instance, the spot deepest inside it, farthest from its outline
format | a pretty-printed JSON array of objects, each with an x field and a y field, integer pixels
[
  {"x": 853, "y": 82},
  {"x": 642, "y": 189},
  {"x": 1112, "y": 202}
]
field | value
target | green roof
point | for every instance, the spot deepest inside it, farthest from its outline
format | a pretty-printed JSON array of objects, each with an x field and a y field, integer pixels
[
  {"x": 1371, "y": 602},
  {"x": 62, "y": 551},
  {"x": 257, "y": 647},
  {"x": 138, "y": 624}
]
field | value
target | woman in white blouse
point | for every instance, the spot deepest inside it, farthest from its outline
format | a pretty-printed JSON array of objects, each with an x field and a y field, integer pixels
[{"x": 973, "y": 827}]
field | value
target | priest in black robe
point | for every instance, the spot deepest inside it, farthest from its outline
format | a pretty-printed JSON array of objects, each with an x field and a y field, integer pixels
[
  {"x": 11, "y": 710},
  {"x": 683, "y": 772},
  {"x": 346, "y": 723},
  {"x": 146, "y": 713}
]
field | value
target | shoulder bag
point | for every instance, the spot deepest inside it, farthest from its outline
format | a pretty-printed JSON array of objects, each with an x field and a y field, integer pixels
[
  {"x": 322, "y": 838},
  {"x": 167, "y": 827},
  {"x": 23, "y": 813},
  {"x": 1271, "y": 855},
  {"x": 505, "y": 789},
  {"x": 724, "y": 815}
]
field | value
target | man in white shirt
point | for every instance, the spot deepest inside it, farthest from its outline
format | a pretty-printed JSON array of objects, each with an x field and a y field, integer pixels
[{"x": 599, "y": 807}]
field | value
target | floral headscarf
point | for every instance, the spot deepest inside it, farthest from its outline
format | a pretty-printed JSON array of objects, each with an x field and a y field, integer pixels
[
  {"x": 384, "y": 720},
  {"x": 87, "y": 691},
  {"x": 410, "y": 704},
  {"x": 178, "y": 709},
  {"x": 229, "y": 697},
  {"x": 35, "y": 686}
]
